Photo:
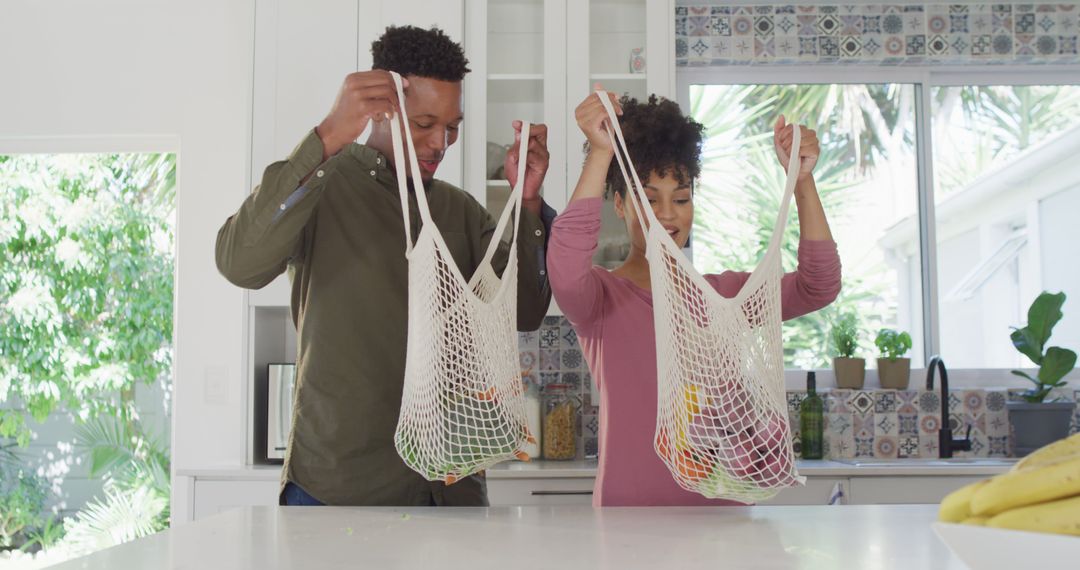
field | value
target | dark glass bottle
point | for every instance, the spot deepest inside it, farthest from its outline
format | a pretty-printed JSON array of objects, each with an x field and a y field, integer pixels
[{"x": 811, "y": 421}]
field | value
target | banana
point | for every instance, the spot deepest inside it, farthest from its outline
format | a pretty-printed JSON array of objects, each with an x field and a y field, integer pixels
[
  {"x": 1058, "y": 517},
  {"x": 1050, "y": 453},
  {"x": 956, "y": 506},
  {"x": 975, "y": 521},
  {"x": 1027, "y": 487}
]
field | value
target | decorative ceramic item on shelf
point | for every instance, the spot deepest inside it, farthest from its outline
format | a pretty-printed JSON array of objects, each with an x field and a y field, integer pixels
[
  {"x": 637, "y": 60},
  {"x": 1035, "y": 421},
  {"x": 850, "y": 371},
  {"x": 894, "y": 370}
]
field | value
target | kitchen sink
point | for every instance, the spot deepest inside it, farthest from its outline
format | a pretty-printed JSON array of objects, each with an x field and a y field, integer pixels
[{"x": 974, "y": 461}]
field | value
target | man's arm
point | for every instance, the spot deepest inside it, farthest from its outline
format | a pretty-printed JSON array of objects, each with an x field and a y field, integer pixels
[{"x": 254, "y": 245}]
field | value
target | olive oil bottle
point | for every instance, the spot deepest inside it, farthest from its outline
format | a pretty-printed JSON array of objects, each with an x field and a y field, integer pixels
[{"x": 812, "y": 421}]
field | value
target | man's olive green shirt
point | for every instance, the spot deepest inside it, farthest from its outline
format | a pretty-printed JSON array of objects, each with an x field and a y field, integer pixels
[{"x": 342, "y": 238}]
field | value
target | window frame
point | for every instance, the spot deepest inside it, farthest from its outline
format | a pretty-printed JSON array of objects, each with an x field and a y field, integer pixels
[{"x": 923, "y": 79}]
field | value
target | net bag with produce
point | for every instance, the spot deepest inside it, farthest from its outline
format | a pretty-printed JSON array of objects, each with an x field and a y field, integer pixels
[
  {"x": 721, "y": 425},
  {"x": 462, "y": 405}
]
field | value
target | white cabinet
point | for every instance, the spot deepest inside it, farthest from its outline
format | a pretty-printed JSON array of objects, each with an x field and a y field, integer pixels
[
  {"x": 541, "y": 491},
  {"x": 816, "y": 491},
  {"x": 213, "y": 496},
  {"x": 536, "y": 60},
  {"x": 579, "y": 491},
  {"x": 218, "y": 489},
  {"x": 571, "y": 483},
  {"x": 303, "y": 51},
  {"x": 517, "y": 53},
  {"x": 856, "y": 489},
  {"x": 904, "y": 490}
]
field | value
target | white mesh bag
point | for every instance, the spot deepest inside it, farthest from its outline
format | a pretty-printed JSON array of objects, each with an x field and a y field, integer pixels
[
  {"x": 462, "y": 406},
  {"x": 721, "y": 418}
]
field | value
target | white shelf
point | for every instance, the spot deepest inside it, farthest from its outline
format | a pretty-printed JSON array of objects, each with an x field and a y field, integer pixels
[
  {"x": 515, "y": 77},
  {"x": 619, "y": 76}
]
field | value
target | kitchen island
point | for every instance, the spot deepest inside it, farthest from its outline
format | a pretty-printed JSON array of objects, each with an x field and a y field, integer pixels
[{"x": 866, "y": 537}]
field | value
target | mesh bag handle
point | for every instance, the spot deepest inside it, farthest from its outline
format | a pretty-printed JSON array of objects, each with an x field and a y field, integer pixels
[
  {"x": 513, "y": 205},
  {"x": 721, "y": 425}
]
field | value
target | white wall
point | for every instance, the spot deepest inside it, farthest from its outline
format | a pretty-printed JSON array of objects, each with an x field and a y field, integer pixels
[
  {"x": 88, "y": 69},
  {"x": 1060, "y": 238},
  {"x": 133, "y": 75}
]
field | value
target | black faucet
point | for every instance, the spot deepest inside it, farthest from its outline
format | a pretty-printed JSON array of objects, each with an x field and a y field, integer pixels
[{"x": 946, "y": 444}]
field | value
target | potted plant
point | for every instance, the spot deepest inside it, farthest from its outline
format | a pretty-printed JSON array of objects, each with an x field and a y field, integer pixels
[
  {"x": 850, "y": 371},
  {"x": 1035, "y": 421},
  {"x": 894, "y": 370}
]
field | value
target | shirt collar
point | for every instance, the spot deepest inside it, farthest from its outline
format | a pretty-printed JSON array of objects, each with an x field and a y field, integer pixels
[{"x": 376, "y": 165}]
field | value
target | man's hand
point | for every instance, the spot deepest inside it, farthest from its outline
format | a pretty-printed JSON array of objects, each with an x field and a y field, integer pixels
[
  {"x": 364, "y": 96},
  {"x": 809, "y": 148},
  {"x": 536, "y": 162}
]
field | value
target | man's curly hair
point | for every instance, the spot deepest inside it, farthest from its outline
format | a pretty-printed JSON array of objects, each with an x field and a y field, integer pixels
[
  {"x": 660, "y": 139},
  {"x": 410, "y": 50}
]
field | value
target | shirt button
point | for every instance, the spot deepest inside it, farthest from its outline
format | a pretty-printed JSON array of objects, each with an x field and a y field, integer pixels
[
  {"x": 281, "y": 207},
  {"x": 319, "y": 174},
  {"x": 543, "y": 272},
  {"x": 539, "y": 233},
  {"x": 378, "y": 161},
  {"x": 373, "y": 173}
]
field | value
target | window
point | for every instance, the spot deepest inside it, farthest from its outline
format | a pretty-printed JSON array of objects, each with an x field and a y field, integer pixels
[
  {"x": 1006, "y": 190},
  {"x": 1006, "y": 194},
  {"x": 866, "y": 177}
]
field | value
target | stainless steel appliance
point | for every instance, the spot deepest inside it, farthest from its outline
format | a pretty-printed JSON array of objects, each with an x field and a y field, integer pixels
[{"x": 281, "y": 380}]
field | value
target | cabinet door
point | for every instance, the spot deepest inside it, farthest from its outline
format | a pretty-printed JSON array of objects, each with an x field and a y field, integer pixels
[
  {"x": 619, "y": 45},
  {"x": 517, "y": 53},
  {"x": 540, "y": 491},
  {"x": 303, "y": 51},
  {"x": 216, "y": 496},
  {"x": 905, "y": 490},
  {"x": 816, "y": 492}
]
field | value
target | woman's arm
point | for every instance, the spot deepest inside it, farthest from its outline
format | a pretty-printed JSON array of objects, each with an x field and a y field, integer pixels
[
  {"x": 574, "y": 284},
  {"x": 812, "y": 222}
]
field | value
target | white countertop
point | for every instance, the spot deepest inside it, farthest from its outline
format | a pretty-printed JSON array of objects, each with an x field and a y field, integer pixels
[
  {"x": 571, "y": 469},
  {"x": 863, "y": 537}
]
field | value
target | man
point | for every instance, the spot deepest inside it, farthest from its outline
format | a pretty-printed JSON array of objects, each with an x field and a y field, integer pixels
[{"x": 331, "y": 215}]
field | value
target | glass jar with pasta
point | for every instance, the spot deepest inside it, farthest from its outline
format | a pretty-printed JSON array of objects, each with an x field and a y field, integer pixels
[{"x": 560, "y": 423}]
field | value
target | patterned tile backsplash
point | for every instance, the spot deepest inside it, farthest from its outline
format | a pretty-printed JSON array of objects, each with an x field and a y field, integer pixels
[
  {"x": 883, "y": 424},
  {"x": 877, "y": 33}
]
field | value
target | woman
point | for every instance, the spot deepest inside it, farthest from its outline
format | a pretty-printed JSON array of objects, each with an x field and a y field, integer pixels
[{"x": 612, "y": 310}]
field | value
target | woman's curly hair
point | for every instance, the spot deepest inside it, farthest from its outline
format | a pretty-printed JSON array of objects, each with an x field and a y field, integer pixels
[
  {"x": 410, "y": 50},
  {"x": 660, "y": 139}
]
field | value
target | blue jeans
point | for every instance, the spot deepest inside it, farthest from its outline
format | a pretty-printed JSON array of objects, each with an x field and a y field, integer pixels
[{"x": 293, "y": 495}]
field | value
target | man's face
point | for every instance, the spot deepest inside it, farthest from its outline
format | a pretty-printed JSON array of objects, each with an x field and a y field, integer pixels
[{"x": 435, "y": 115}]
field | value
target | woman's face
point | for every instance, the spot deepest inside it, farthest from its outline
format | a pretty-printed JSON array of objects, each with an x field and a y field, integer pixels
[{"x": 672, "y": 202}]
